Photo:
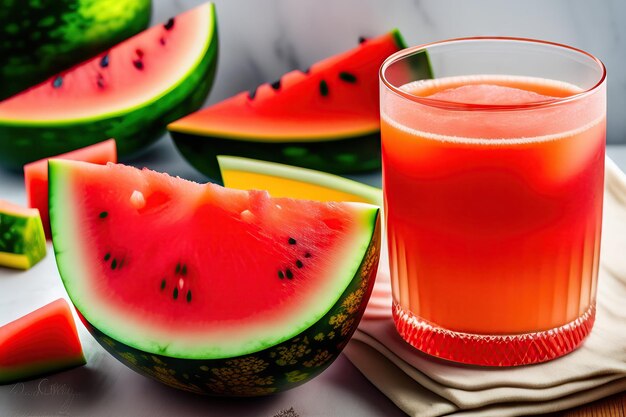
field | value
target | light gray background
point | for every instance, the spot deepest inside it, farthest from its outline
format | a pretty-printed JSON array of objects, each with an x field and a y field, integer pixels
[{"x": 262, "y": 39}]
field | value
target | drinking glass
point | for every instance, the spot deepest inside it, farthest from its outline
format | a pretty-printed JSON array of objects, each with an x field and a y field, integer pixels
[{"x": 493, "y": 163}]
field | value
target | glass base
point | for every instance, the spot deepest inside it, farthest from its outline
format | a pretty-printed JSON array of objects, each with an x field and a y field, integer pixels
[{"x": 492, "y": 350}]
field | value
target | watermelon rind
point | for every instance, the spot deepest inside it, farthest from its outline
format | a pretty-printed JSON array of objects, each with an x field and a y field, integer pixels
[
  {"x": 134, "y": 331},
  {"x": 22, "y": 238},
  {"x": 227, "y": 164},
  {"x": 134, "y": 127},
  {"x": 337, "y": 155},
  {"x": 41, "y": 38}
]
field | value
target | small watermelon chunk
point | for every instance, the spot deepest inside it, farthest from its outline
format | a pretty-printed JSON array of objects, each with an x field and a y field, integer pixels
[
  {"x": 36, "y": 175},
  {"x": 39, "y": 343},
  {"x": 208, "y": 279},
  {"x": 325, "y": 118},
  {"x": 129, "y": 93},
  {"x": 22, "y": 239}
]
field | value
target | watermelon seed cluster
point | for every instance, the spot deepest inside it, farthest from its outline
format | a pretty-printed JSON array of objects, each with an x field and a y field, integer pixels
[
  {"x": 288, "y": 273},
  {"x": 179, "y": 271}
]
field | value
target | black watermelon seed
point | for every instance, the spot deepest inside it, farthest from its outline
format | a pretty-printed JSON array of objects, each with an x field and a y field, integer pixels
[
  {"x": 347, "y": 77},
  {"x": 169, "y": 24},
  {"x": 307, "y": 255},
  {"x": 107, "y": 256},
  {"x": 299, "y": 263},
  {"x": 362, "y": 39},
  {"x": 175, "y": 294},
  {"x": 178, "y": 268},
  {"x": 323, "y": 88},
  {"x": 138, "y": 63},
  {"x": 163, "y": 285},
  {"x": 289, "y": 273},
  {"x": 183, "y": 270},
  {"x": 58, "y": 82},
  {"x": 162, "y": 40},
  {"x": 281, "y": 275},
  {"x": 114, "y": 263},
  {"x": 139, "y": 53},
  {"x": 104, "y": 62},
  {"x": 103, "y": 214},
  {"x": 189, "y": 296},
  {"x": 292, "y": 241},
  {"x": 276, "y": 85}
]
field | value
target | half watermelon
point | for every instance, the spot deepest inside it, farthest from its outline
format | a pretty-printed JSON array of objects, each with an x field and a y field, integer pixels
[
  {"x": 325, "y": 118},
  {"x": 206, "y": 288},
  {"x": 129, "y": 92}
]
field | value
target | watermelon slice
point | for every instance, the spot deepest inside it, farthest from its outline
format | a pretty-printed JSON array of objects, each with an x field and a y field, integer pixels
[
  {"x": 325, "y": 118},
  {"x": 36, "y": 175},
  {"x": 39, "y": 343},
  {"x": 129, "y": 93},
  {"x": 22, "y": 240},
  {"x": 42, "y": 38},
  {"x": 203, "y": 287},
  {"x": 293, "y": 182}
]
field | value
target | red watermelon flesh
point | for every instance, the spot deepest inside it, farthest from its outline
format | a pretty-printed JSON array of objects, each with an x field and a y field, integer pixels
[
  {"x": 336, "y": 97},
  {"x": 41, "y": 342},
  {"x": 36, "y": 175},
  {"x": 199, "y": 271}
]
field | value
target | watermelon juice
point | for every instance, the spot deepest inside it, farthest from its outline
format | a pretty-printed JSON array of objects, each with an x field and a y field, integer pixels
[{"x": 493, "y": 201}]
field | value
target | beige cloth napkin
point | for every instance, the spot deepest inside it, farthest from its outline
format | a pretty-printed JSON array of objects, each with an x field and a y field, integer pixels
[{"x": 425, "y": 387}]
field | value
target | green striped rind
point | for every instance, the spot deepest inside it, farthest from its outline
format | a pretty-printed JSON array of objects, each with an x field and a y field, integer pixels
[
  {"x": 274, "y": 369},
  {"x": 29, "y": 371},
  {"x": 338, "y": 156},
  {"x": 39, "y": 38},
  {"x": 22, "y": 142},
  {"x": 21, "y": 237},
  {"x": 370, "y": 194}
]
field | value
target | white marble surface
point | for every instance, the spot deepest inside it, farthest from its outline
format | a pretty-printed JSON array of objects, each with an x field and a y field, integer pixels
[{"x": 262, "y": 39}]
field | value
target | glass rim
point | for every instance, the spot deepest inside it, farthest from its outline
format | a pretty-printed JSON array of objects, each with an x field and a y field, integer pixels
[{"x": 450, "y": 105}]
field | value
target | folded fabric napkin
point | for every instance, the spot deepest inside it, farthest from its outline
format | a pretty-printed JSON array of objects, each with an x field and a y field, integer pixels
[{"x": 423, "y": 386}]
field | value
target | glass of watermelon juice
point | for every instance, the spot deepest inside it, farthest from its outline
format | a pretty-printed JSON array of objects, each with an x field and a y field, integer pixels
[{"x": 493, "y": 183}]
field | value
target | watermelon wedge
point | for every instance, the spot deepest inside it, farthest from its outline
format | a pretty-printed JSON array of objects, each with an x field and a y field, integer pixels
[
  {"x": 326, "y": 118},
  {"x": 129, "y": 92},
  {"x": 210, "y": 289},
  {"x": 36, "y": 175},
  {"x": 39, "y": 343},
  {"x": 42, "y": 38},
  {"x": 22, "y": 240},
  {"x": 293, "y": 182}
]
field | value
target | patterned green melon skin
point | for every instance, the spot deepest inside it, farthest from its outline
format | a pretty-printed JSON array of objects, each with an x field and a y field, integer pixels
[
  {"x": 134, "y": 130},
  {"x": 42, "y": 37},
  {"x": 338, "y": 156},
  {"x": 21, "y": 237},
  {"x": 275, "y": 369}
]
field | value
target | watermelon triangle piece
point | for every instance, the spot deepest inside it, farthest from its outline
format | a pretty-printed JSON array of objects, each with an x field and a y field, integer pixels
[
  {"x": 36, "y": 175},
  {"x": 129, "y": 92},
  {"x": 39, "y": 343},
  {"x": 325, "y": 118}
]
